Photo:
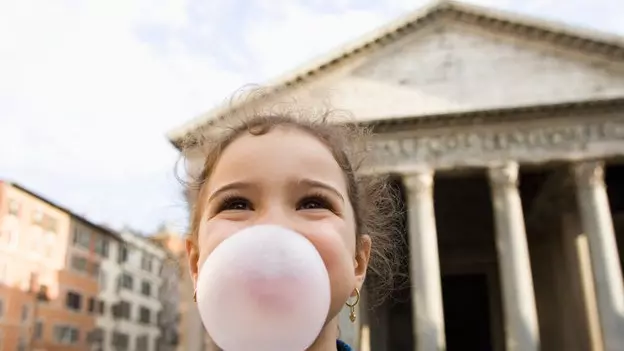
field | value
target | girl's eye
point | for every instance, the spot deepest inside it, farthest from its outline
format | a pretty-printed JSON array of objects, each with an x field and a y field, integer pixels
[
  {"x": 235, "y": 204},
  {"x": 314, "y": 203}
]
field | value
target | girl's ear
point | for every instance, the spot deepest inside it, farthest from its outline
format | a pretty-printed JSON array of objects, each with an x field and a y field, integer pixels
[
  {"x": 362, "y": 257},
  {"x": 192, "y": 254}
]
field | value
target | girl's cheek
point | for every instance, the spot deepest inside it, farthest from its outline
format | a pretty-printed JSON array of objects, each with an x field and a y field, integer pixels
[
  {"x": 332, "y": 248},
  {"x": 212, "y": 233},
  {"x": 328, "y": 238}
]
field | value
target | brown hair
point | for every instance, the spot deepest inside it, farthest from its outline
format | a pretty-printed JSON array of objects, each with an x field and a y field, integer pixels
[{"x": 374, "y": 201}]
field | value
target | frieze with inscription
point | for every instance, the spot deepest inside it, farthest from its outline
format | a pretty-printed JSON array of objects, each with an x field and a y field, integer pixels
[{"x": 501, "y": 144}]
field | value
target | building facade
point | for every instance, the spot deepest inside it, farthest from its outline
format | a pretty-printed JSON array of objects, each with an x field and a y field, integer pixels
[
  {"x": 505, "y": 136},
  {"x": 50, "y": 265},
  {"x": 33, "y": 237},
  {"x": 189, "y": 329},
  {"x": 104, "y": 246},
  {"x": 138, "y": 302},
  {"x": 170, "y": 317},
  {"x": 88, "y": 249}
]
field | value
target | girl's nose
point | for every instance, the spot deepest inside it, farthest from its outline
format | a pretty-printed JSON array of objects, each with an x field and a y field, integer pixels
[{"x": 278, "y": 215}]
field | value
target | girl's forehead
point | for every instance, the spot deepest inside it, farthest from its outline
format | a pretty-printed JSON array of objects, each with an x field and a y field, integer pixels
[
  {"x": 276, "y": 143},
  {"x": 278, "y": 153}
]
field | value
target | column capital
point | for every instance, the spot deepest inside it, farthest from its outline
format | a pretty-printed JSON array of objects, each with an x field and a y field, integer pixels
[
  {"x": 504, "y": 175},
  {"x": 418, "y": 181},
  {"x": 589, "y": 173}
]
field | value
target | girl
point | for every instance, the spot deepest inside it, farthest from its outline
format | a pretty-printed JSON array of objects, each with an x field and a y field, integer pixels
[{"x": 302, "y": 174}]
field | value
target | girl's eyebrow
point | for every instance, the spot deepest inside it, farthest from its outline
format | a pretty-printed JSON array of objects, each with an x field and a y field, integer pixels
[
  {"x": 318, "y": 184},
  {"x": 305, "y": 181},
  {"x": 228, "y": 187}
]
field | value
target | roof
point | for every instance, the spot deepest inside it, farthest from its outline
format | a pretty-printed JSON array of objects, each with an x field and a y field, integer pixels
[
  {"x": 99, "y": 227},
  {"x": 594, "y": 42}
]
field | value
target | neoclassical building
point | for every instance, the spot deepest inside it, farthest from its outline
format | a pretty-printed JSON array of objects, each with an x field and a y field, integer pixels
[{"x": 505, "y": 135}]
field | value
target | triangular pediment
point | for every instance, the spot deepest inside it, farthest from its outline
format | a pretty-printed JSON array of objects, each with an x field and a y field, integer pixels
[
  {"x": 454, "y": 58},
  {"x": 452, "y": 67}
]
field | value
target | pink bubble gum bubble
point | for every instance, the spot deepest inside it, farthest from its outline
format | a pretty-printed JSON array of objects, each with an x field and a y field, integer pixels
[{"x": 264, "y": 288}]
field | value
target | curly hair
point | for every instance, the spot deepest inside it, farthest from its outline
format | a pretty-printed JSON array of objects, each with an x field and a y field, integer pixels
[{"x": 374, "y": 199}]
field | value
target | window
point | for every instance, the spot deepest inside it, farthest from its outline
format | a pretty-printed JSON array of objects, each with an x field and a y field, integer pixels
[
  {"x": 160, "y": 343},
  {"x": 38, "y": 332},
  {"x": 142, "y": 343},
  {"x": 123, "y": 254},
  {"x": 144, "y": 315},
  {"x": 127, "y": 282},
  {"x": 101, "y": 307},
  {"x": 48, "y": 223},
  {"x": 121, "y": 341},
  {"x": 122, "y": 310},
  {"x": 37, "y": 216},
  {"x": 95, "y": 269},
  {"x": 91, "y": 305},
  {"x": 36, "y": 242},
  {"x": 82, "y": 238},
  {"x": 67, "y": 335},
  {"x": 33, "y": 280},
  {"x": 146, "y": 262},
  {"x": 21, "y": 344},
  {"x": 146, "y": 288},
  {"x": 52, "y": 223},
  {"x": 14, "y": 207},
  {"x": 78, "y": 263},
  {"x": 97, "y": 336},
  {"x": 13, "y": 237},
  {"x": 101, "y": 246},
  {"x": 25, "y": 313},
  {"x": 42, "y": 293},
  {"x": 73, "y": 301}
]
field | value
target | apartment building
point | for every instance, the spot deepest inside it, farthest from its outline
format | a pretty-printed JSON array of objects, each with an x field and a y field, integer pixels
[
  {"x": 173, "y": 277},
  {"x": 108, "y": 274},
  {"x": 137, "y": 307},
  {"x": 32, "y": 233},
  {"x": 92, "y": 256},
  {"x": 49, "y": 269},
  {"x": 192, "y": 335}
]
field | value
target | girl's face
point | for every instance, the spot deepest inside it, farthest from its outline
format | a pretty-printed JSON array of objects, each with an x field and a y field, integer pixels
[{"x": 289, "y": 178}]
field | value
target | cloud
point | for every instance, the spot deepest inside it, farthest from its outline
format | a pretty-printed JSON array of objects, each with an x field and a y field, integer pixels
[{"x": 85, "y": 101}]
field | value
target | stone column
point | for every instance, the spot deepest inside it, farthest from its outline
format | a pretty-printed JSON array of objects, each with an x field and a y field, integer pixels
[
  {"x": 521, "y": 328},
  {"x": 427, "y": 307},
  {"x": 597, "y": 224}
]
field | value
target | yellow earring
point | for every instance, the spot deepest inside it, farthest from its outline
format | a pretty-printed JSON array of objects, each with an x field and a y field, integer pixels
[
  {"x": 352, "y": 315},
  {"x": 195, "y": 295}
]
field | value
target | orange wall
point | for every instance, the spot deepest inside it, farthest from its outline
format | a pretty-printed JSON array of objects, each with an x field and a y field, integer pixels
[
  {"x": 55, "y": 312},
  {"x": 44, "y": 253}
]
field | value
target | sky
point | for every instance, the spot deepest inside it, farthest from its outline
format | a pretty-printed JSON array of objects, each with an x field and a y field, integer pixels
[{"x": 89, "y": 88}]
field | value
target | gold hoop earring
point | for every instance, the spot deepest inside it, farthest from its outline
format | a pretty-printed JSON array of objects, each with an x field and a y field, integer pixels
[
  {"x": 195, "y": 295},
  {"x": 352, "y": 315}
]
